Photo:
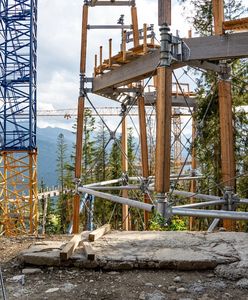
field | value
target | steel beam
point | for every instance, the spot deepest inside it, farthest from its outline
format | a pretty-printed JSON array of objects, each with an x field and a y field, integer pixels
[
  {"x": 117, "y": 199},
  {"x": 232, "y": 215},
  {"x": 112, "y": 3}
]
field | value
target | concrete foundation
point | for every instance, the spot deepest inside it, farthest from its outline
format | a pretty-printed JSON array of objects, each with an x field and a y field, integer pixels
[{"x": 226, "y": 252}]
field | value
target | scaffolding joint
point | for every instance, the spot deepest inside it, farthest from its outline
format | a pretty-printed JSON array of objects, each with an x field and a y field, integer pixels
[
  {"x": 231, "y": 199},
  {"x": 164, "y": 207},
  {"x": 172, "y": 47}
]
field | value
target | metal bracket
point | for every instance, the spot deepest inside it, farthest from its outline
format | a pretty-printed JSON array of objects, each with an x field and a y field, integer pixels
[
  {"x": 124, "y": 178},
  {"x": 230, "y": 198},
  {"x": 172, "y": 48},
  {"x": 144, "y": 186},
  {"x": 83, "y": 82},
  {"x": 225, "y": 70},
  {"x": 163, "y": 206}
]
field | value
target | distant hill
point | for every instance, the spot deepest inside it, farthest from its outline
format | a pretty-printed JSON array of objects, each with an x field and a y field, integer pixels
[{"x": 47, "y": 147}]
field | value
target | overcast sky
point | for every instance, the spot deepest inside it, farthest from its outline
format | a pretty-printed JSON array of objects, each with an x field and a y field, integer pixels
[{"x": 59, "y": 33}]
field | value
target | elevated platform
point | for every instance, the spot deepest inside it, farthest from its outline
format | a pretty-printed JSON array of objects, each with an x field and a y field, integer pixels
[{"x": 226, "y": 252}]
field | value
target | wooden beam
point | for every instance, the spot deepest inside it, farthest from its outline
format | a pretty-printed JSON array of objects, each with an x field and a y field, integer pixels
[
  {"x": 218, "y": 12},
  {"x": 238, "y": 24},
  {"x": 144, "y": 150},
  {"x": 202, "y": 48},
  {"x": 70, "y": 247},
  {"x": 225, "y": 113},
  {"x": 110, "y": 52},
  {"x": 84, "y": 39},
  {"x": 135, "y": 26},
  {"x": 193, "y": 168},
  {"x": 124, "y": 167},
  {"x": 89, "y": 251},
  {"x": 145, "y": 49},
  {"x": 164, "y": 12},
  {"x": 78, "y": 162},
  {"x": 99, "y": 232},
  {"x": 163, "y": 132}
]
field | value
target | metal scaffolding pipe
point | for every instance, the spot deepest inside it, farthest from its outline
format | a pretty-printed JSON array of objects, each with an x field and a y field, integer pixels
[
  {"x": 109, "y": 27},
  {"x": 113, "y": 3},
  {"x": 202, "y": 204},
  {"x": 243, "y": 201},
  {"x": 210, "y": 213},
  {"x": 117, "y": 199},
  {"x": 116, "y": 188},
  {"x": 103, "y": 183},
  {"x": 197, "y": 196}
]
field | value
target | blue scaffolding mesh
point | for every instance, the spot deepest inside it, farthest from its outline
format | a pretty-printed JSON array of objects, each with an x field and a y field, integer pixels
[{"x": 18, "y": 44}]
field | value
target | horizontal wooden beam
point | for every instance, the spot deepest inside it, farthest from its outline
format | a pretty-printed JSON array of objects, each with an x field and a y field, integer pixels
[
  {"x": 71, "y": 246},
  {"x": 201, "y": 48},
  {"x": 89, "y": 251},
  {"x": 238, "y": 24},
  {"x": 99, "y": 232}
]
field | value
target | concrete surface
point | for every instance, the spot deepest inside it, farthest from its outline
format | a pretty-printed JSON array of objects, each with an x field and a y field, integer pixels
[{"x": 226, "y": 252}]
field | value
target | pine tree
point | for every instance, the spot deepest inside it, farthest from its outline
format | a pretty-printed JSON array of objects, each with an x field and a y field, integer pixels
[{"x": 131, "y": 152}]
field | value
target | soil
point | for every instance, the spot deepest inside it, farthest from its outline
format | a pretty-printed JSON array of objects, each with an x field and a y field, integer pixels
[{"x": 71, "y": 283}]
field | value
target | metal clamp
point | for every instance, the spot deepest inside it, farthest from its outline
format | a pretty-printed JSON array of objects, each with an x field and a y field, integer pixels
[
  {"x": 83, "y": 85},
  {"x": 172, "y": 47},
  {"x": 124, "y": 178},
  {"x": 230, "y": 198},
  {"x": 163, "y": 206}
]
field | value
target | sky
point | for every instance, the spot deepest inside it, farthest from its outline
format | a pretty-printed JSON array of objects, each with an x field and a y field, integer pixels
[{"x": 59, "y": 33}]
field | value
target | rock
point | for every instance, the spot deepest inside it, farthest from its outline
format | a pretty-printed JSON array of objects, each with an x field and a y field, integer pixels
[
  {"x": 232, "y": 271},
  {"x": 52, "y": 290},
  {"x": 197, "y": 288},
  {"x": 156, "y": 295},
  {"x": 177, "y": 279},
  {"x": 142, "y": 296},
  {"x": 172, "y": 288},
  {"x": 31, "y": 271},
  {"x": 148, "y": 284},
  {"x": 67, "y": 287},
  {"x": 17, "y": 278},
  {"x": 113, "y": 273},
  {"x": 242, "y": 283},
  {"x": 181, "y": 290},
  {"x": 211, "y": 275}
]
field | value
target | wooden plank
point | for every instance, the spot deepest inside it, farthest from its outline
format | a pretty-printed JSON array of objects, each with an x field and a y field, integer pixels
[
  {"x": 70, "y": 247},
  {"x": 238, "y": 24},
  {"x": 84, "y": 39},
  {"x": 88, "y": 249},
  {"x": 163, "y": 131},
  {"x": 202, "y": 48},
  {"x": 96, "y": 234},
  {"x": 164, "y": 12},
  {"x": 144, "y": 150},
  {"x": 124, "y": 168},
  {"x": 218, "y": 12},
  {"x": 135, "y": 26}
]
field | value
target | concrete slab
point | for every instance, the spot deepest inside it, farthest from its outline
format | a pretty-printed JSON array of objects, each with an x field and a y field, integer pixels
[{"x": 156, "y": 250}]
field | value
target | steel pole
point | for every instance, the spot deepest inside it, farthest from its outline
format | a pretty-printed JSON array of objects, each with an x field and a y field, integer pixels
[{"x": 117, "y": 199}]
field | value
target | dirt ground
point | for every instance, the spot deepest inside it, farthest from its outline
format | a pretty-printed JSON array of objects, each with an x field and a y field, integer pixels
[{"x": 71, "y": 283}]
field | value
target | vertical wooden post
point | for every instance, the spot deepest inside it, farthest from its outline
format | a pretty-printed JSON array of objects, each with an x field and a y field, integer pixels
[
  {"x": 100, "y": 59},
  {"x": 44, "y": 215},
  {"x": 135, "y": 26},
  {"x": 145, "y": 38},
  {"x": 163, "y": 134},
  {"x": 80, "y": 116},
  {"x": 164, "y": 12},
  {"x": 95, "y": 72},
  {"x": 144, "y": 150},
  {"x": 225, "y": 113},
  {"x": 125, "y": 215},
  {"x": 124, "y": 45},
  {"x": 110, "y": 52},
  {"x": 193, "y": 168},
  {"x": 218, "y": 12}
]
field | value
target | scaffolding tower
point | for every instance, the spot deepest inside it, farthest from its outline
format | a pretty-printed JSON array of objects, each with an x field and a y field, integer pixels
[{"x": 18, "y": 176}]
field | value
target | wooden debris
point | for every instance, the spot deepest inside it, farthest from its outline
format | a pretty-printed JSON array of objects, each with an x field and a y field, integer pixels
[
  {"x": 70, "y": 247},
  {"x": 96, "y": 234},
  {"x": 90, "y": 253}
]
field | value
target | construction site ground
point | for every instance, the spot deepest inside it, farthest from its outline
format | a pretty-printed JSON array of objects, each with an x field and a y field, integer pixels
[{"x": 129, "y": 265}]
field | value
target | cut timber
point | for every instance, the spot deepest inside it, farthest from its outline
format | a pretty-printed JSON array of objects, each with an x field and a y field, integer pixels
[
  {"x": 70, "y": 247},
  {"x": 164, "y": 12},
  {"x": 202, "y": 48},
  {"x": 96, "y": 234},
  {"x": 239, "y": 24},
  {"x": 90, "y": 253}
]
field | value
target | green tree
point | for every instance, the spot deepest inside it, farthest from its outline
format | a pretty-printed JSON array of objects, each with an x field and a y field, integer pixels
[{"x": 131, "y": 152}]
